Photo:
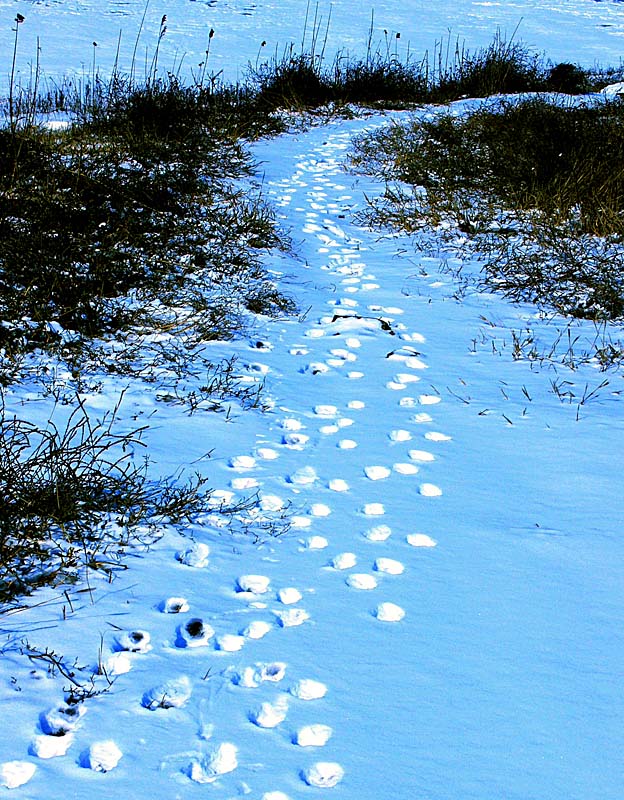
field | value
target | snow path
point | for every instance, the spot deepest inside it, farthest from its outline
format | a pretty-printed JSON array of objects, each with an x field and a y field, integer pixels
[{"x": 441, "y": 620}]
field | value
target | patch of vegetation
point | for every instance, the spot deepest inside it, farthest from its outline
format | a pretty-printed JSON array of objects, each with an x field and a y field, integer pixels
[
  {"x": 76, "y": 498},
  {"x": 303, "y": 79},
  {"x": 135, "y": 217},
  {"x": 102, "y": 219},
  {"x": 535, "y": 184}
]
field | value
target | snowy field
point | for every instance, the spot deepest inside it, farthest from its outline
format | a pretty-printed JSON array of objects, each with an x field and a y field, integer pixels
[
  {"x": 443, "y": 618},
  {"x": 583, "y": 31}
]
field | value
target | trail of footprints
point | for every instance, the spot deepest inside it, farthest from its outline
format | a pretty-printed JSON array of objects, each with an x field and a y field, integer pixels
[{"x": 344, "y": 329}]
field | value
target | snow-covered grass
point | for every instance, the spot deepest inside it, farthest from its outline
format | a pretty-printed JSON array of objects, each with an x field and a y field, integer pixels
[
  {"x": 128, "y": 242},
  {"x": 530, "y": 185},
  {"x": 404, "y": 580}
]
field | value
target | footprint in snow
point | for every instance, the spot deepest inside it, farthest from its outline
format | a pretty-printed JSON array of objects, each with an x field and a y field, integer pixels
[
  {"x": 315, "y": 333},
  {"x": 338, "y": 485},
  {"x": 48, "y": 746},
  {"x": 61, "y": 720},
  {"x": 254, "y": 584},
  {"x": 291, "y": 424},
  {"x": 399, "y": 436},
  {"x": 271, "y": 502},
  {"x": 406, "y": 377},
  {"x": 194, "y": 556},
  {"x": 243, "y": 484},
  {"x": 312, "y": 736},
  {"x": 303, "y": 477},
  {"x": 174, "y": 693},
  {"x": 417, "y": 338},
  {"x": 288, "y": 596},
  {"x": 345, "y": 355},
  {"x": 256, "y": 629},
  {"x": 430, "y": 490},
  {"x": 379, "y": 533},
  {"x": 267, "y": 453},
  {"x": 292, "y": 617},
  {"x": 101, "y": 756},
  {"x": 259, "y": 369},
  {"x": 325, "y": 410},
  {"x": 319, "y": 510},
  {"x": 389, "y": 612},
  {"x": 16, "y": 773},
  {"x": 195, "y": 633},
  {"x": 420, "y": 540},
  {"x": 260, "y": 344},
  {"x": 421, "y": 418},
  {"x": 220, "y": 497},
  {"x": 436, "y": 436},
  {"x": 133, "y": 641},
  {"x": 220, "y": 761},
  {"x": 230, "y": 642},
  {"x": 389, "y": 566},
  {"x": 362, "y": 581},
  {"x": 324, "y": 774},
  {"x": 421, "y": 456},
  {"x": 242, "y": 462},
  {"x": 308, "y": 689},
  {"x": 373, "y": 510},
  {"x": 295, "y": 441},
  {"x": 377, "y": 473},
  {"x": 315, "y": 543},
  {"x": 315, "y": 368},
  {"x": 270, "y": 715},
  {"x": 405, "y": 469},
  {"x": 344, "y": 561},
  {"x": 116, "y": 664},
  {"x": 252, "y": 677}
]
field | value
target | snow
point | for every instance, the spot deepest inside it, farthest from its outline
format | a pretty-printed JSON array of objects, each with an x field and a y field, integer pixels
[
  {"x": 578, "y": 30},
  {"x": 477, "y": 651}
]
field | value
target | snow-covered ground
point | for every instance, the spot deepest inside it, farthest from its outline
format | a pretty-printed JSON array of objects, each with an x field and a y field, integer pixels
[
  {"x": 443, "y": 620},
  {"x": 583, "y": 31}
]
